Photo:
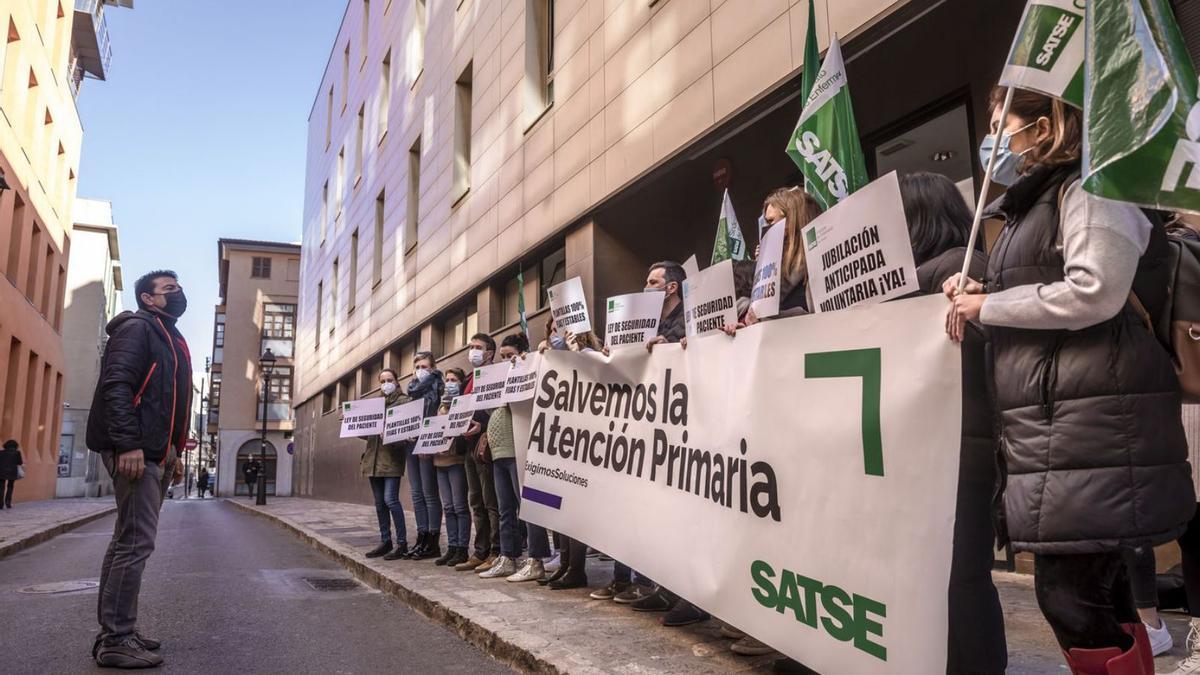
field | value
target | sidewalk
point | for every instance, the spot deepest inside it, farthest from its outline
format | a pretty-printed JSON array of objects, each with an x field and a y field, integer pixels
[
  {"x": 31, "y": 523},
  {"x": 535, "y": 629}
]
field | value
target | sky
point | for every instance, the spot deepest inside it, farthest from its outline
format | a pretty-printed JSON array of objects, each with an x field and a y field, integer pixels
[{"x": 200, "y": 133}]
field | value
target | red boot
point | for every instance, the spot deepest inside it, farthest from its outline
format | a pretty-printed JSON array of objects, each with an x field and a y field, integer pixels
[
  {"x": 1107, "y": 661},
  {"x": 1141, "y": 644}
]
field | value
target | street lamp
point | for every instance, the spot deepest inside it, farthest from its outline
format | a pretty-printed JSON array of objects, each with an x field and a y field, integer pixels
[{"x": 267, "y": 364}]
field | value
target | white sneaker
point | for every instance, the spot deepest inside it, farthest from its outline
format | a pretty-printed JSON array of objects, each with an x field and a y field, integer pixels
[
  {"x": 532, "y": 570},
  {"x": 503, "y": 567},
  {"x": 1190, "y": 665},
  {"x": 1160, "y": 638},
  {"x": 554, "y": 564}
]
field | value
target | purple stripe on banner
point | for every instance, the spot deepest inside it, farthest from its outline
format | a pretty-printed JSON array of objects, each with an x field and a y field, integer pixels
[{"x": 543, "y": 498}]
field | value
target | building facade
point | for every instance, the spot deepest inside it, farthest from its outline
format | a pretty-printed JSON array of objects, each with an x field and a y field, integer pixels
[
  {"x": 49, "y": 46},
  {"x": 93, "y": 298},
  {"x": 259, "y": 284}
]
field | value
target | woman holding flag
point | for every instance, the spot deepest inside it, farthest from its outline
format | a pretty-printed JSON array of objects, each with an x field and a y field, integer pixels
[{"x": 1089, "y": 402}]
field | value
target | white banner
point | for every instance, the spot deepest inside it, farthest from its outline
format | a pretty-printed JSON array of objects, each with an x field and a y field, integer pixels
[
  {"x": 633, "y": 319},
  {"x": 363, "y": 417},
  {"x": 708, "y": 299},
  {"x": 521, "y": 379},
  {"x": 768, "y": 284},
  {"x": 568, "y": 306},
  {"x": 488, "y": 385},
  {"x": 462, "y": 409},
  {"x": 859, "y": 252},
  {"x": 824, "y": 507},
  {"x": 403, "y": 422},
  {"x": 433, "y": 438}
]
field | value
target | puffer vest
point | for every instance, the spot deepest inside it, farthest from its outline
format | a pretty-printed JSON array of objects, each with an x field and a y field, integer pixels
[{"x": 1090, "y": 419}]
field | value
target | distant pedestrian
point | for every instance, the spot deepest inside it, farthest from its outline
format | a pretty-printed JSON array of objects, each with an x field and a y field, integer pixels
[
  {"x": 202, "y": 482},
  {"x": 250, "y": 471},
  {"x": 10, "y": 471},
  {"x": 138, "y": 424}
]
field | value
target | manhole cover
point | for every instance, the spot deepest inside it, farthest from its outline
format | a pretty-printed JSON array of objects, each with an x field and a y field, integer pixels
[
  {"x": 319, "y": 584},
  {"x": 62, "y": 587}
]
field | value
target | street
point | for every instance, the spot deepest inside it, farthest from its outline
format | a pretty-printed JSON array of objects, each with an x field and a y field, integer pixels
[{"x": 224, "y": 592}]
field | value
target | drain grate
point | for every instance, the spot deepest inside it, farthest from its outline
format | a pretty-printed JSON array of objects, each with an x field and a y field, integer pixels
[
  {"x": 325, "y": 584},
  {"x": 61, "y": 587}
]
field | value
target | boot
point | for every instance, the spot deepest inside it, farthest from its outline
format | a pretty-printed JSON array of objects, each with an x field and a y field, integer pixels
[
  {"x": 418, "y": 547},
  {"x": 564, "y": 564},
  {"x": 1107, "y": 661},
  {"x": 459, "y": 558},
  {"x": 1141, "y": 644},
  {"x": 401, "y": 551},
  {"x": 576, "y": 576},
  {"x": 451, "y": 552},
  {"x": 433, "y": 547},
  {"x": 382, "y": 549}
]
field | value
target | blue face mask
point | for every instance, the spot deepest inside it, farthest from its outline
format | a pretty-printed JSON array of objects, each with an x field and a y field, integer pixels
[
  {"x": 1007, "y": 169},
  {"x": 453, "y": 388},
  {"x": 558, "y": 342}
]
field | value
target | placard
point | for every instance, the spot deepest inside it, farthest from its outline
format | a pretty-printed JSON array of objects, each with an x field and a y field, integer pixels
[
  {"x": 708, "y": 299},
  {"x": 462, "y": 410},
  {"x": 521, "y": 381},
  {"x": 632, "y": 320},
  {"x": 568, "y": 306},
  {"x": 433, "y": 438},
  {"x": 403, "y": 422},
  {"x": 363, "y": 417},
  {"x": 768, "y": 272},
  {"x": 488, "y": 385}
]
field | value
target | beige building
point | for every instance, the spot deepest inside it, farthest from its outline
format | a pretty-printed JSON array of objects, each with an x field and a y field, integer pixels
[
  {"x": 49, "y": 46},
  {"x": 259, "y": 282},
  {"x": 93, "y": 298}
]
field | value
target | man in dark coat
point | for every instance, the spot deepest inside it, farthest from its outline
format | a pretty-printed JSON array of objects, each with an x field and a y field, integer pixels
[
  {"x": 10, "y": 470},
  {"x": 138, "y": 424},
  {"x": 250, "y": 471},
  {"x": 668, "y": 277}
]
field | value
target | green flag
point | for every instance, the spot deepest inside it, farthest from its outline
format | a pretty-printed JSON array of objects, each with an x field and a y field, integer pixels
[
  {"x": 825, "y": 144},
  {"x": 1140, "y": 89},
  {"x": 812, "y": 59},
  {"x": 1047, "y": 53},
  {"x": 730, "y": 243}
]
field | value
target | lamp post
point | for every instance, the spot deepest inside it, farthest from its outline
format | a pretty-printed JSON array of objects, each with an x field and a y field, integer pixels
[{"x": 267, "y": 364}]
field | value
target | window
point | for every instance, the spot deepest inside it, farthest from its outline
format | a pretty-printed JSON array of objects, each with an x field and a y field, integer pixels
[
  {"x": 260, "y": 268},
  {"x": 539, "y": 58},
  {"x": 328, "y": 400},
  {"x": 462, "y": 135},
  {"x": 459, "y": 328},
  {"x": 279, "y": 321},
  {"x": 333, "y": 294},
  {"x": 346, "y": 389},
  {"x": 324, "y": 210},
  {"x": 14, "y": 240},
  {"x": 345, "y": 75},
  {"x": 416, "y": 42},
  {"x": 280, "y": 388},
  {"x": 361, "y": 142},
  {"x": 11, "y": 384},
  {"x": 329, "y": 118},
  {"x": 340, "y": 184},
  {"x": 219, "y": 339},
  {"x": 352, "y": 289},
  {"x": 35, "y": 246},
  {"x": 366, "y": 23},
  {"x": 385, "y": 95},
  {"x": 370, "y": 375},
  {"x": 48, "y": 281},
  {"x": 554, "y": 271},
  {"x": 320, "y": 311},
  {"x": 214, "y": 393},
  {"x": 414, "y": 196},
  {"x": 377, "y": 252}
]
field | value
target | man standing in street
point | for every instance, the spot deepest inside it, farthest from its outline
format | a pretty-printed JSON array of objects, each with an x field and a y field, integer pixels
[
  {"x": 138, "y": 424},
  {"x": 250, "y": 473}
]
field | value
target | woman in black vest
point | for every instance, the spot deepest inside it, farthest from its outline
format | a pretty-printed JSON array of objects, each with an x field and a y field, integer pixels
[{"x": 1089, "y": 402}]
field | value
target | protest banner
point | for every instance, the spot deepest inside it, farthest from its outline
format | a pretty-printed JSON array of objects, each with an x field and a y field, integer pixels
[
  {"x": 462, "y": 410},
  {"x": 768, "y": 275},
  {"x": 433, "y": 438},
  {"x": 521, "y": 379},
  {"x": 403, "y": 422},
  {"x": 632, "y": 319},
  {"x": 640, "y": 456},
  {"x": 859, "y": 252},
  {"x": 568, "y": 306},
  {"x": 708, "y": 299},
  {"x": 488, "y": 385},
  {"x": 363, "y": 417}
]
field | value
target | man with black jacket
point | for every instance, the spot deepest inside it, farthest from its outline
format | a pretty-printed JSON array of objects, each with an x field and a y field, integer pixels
[{"x": 138, "y": 424}]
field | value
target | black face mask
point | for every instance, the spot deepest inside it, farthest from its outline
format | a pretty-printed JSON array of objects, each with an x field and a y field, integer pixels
[{"x": 176, "y": 303}]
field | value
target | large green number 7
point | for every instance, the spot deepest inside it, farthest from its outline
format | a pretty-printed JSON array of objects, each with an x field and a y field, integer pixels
[{"x": 864, "y": 363}]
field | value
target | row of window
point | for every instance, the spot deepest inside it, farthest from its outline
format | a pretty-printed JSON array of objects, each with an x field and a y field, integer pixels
[
  {"x": 30, "y": 411},
  {"x": 33, "y": 264}
]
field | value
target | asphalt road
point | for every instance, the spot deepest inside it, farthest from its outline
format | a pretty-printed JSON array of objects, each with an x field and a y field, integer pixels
[{"x": 226, "y": 592}]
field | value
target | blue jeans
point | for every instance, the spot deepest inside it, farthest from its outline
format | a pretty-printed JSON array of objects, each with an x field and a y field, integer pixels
[
  {"x": 422, "y": 483},
  {"x": 452, "y": 483},
  {"x": 508, "y": 495},
  {"x": 388, "y": 508}
]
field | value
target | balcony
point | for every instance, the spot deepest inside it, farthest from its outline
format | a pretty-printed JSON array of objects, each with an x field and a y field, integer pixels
[{"x": 89, "y": 36}]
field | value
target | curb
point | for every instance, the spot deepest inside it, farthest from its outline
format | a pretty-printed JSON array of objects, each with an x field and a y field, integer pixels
[
  {"x": 11, "y": 547},
  {"x": 486, "y": 640}
]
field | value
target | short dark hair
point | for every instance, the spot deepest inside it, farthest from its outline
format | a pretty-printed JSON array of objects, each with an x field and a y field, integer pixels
[
  {"x": 425, "y": 355},
  {"x": 486, "y": 339},
  {"x": 457, "y": 372},
  {"x": 392, "y": 371},
  {"x": 672, "y": 271},
  {"x": 517, "y": 341},
  {"x": 937, "y": 214},
  {"x": 145, "y": 283},
  {"x": 11, "y": 444}
]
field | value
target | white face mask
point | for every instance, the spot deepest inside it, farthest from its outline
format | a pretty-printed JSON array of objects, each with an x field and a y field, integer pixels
[
  {"x": 475, "y": 356},
  {"x": 388, "y": 388},
  {"x": 422, "y": 374}
]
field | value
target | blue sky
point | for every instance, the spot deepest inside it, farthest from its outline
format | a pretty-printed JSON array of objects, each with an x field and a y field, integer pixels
[{"x": 200, "y": 133}]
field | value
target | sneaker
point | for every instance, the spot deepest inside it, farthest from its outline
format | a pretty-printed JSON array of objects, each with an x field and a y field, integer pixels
[
  {"x": 532, "y": 570},
  {"x": 128, "y": 653},
  {"x": 1160, "y": 638},
  {"x": 610, "y": 591},
  {"x": 730, "y": 632},
  {"x": 632, "y": 594},
  {"x": 503, "y": 567},
  {"x": 684, "y": 613},
  {"x": 149, "y": 643},
  {"x": 469, "y": 564},
  {"x": 487, "y": 563},
  {"x": 1190, "y": 665},
  {"x": 748, "y": 646},
  {"x": 554, "y": 564},
  {"x": 655, "y": 602}
]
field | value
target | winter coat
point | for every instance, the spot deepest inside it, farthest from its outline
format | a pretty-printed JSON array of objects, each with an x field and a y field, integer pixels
[
  {"x": 383, "y": 460},
  {"x": 143, "y": 397},
  {"x": 1091, "y": 430},
  {"x": 9, "y": 461},
  {"x": 672, "y": 327},
  {"x": 430, "y": 391},
  {"x": 250, "y": 471}
]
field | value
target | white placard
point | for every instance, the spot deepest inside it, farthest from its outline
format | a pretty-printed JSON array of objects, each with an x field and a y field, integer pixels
[
  {"x": 858, "y": 252},
  {"x": 632, "y": 320},
  {"x": 488, "y": 385},
  {"x": 403, "y": 422},
  {"x": 522, "y": 379},
  {"x": 708, "y": 299},
  {"x": 568, "y": 306},
  {"x": 462, "y": 409},
  {"x": 690, "y": 267},
  {"x": 433, "y": 438},
  {"x": 768, "y": 272},
  {"x": 363, "y": 417}
]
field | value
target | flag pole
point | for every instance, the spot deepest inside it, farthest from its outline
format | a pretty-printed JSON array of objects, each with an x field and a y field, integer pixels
[{"x": 987, "y": 183}]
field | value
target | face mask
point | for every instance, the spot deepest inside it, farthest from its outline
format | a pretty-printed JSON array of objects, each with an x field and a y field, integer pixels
[
  {"x": 475, "y": 356},
  {"x": 176, "y": 303},
  {"x": 453, "y": 388},
  {"x": 558, "y": 342},
  {"x": 422, "y": 374},
  {"x": 388, "y": 388},
  {"x": 1007, "y": 169}
]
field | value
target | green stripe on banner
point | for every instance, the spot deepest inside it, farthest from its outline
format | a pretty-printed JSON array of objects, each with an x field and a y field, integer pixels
[{"x": 864, "y": 363}]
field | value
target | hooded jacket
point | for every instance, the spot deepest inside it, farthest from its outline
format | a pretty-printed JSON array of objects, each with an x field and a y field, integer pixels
[{"x": 143, "y": 397}]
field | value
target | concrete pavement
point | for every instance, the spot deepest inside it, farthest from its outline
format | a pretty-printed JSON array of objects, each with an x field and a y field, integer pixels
[{"x": 30, "y": 523}]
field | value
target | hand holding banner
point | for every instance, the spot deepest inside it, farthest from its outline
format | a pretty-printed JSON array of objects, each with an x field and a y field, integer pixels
[
  {"x": 568, "y": 306},
  {"x": 633, "y": 318},
  {"x": 433, "y": 438},
  {"x": 403, "y": 422},
  {"x": 363, "y": 417},
  {"x": 709, "y": 302},
  {"x": 768, "y": 273}
]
